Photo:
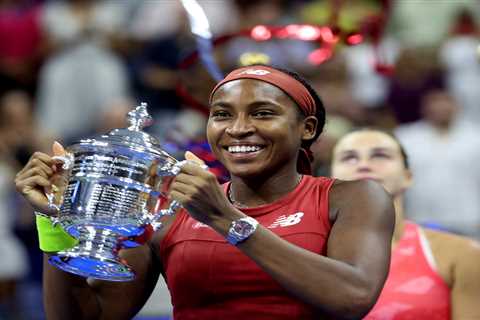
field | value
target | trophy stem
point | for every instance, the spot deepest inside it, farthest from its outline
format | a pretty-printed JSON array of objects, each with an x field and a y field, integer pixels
[{"x": 95, "y": 256}]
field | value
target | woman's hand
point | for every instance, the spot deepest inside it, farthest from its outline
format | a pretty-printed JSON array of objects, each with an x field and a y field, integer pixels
[
  {"x": 41, "y": 175},
  {"x": 198, "y": 191}
]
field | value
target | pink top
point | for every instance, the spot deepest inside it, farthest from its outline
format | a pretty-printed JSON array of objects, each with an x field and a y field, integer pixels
[{"x": 414, "y": 289}]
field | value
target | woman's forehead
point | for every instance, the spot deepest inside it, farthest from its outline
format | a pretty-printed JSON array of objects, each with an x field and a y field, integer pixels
[
  {"x": 251, "y": 88},
  {"x": 367, "y": 139}
]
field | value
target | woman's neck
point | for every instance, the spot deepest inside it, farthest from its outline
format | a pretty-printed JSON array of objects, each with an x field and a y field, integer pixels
[
  {"x": 258, "y": 191},
  {"x": 399, "y": 219}
]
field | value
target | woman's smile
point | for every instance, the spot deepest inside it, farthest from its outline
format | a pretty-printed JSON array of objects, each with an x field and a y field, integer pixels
[{"x": 245, "y": 151}]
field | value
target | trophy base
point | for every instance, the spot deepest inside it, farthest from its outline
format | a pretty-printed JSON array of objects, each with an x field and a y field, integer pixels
[
  {"x": 95, "y": 256},
  {"x": 92, "y": 267}
]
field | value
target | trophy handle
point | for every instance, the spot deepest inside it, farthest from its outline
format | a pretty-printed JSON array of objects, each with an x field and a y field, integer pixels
[
  {"x": 174, "y": 205},
  {"x": 67, "y": 164}
]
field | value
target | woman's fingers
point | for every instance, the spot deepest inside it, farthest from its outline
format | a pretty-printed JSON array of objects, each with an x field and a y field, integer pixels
[
  {"x": 27, "y": 185},
  {"x": 33, "y": 190},
  {"x": 36, "y": 177},
  {"x": 198, "y": 177},
  {"x": 180, "y": 197},
  {"x": 43, "y": 171},
  {"x": 195, "y": 169},
  {"x": 184, "y": 187},
  {"x": 187, "y": 192},
  {"x": 37, "y": 159}
]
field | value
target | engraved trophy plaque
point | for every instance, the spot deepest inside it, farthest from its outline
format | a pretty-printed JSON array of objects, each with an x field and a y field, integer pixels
[{"x": 115, "y": 190}]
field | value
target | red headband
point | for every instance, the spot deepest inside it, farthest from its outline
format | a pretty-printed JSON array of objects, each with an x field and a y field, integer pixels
[{"x": 291, "y": 86}]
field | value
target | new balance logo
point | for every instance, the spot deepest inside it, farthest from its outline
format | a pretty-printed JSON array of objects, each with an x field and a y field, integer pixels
[
  {"x": 256, "y": 72},
  {"x": 286, "y": 221},
  {"x": 198, "y": 225}
]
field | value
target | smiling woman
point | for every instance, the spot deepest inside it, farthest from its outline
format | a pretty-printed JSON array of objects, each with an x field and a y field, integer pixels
[
  {"x": 433, "y": 275},
  {"x": 272, "y": 108},
  {"x": 273, "y": 243}
]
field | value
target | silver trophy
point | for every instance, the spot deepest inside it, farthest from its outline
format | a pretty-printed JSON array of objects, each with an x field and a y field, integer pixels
[{"x": 115, "y": 190}]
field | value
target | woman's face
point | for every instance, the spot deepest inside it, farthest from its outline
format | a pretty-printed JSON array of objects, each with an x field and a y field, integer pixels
[
  {"x": 254, "y": 128},
  {"x": 374, "y": 155}
]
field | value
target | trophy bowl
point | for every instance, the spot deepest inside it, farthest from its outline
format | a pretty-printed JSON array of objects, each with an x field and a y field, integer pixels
[{"x": 114, "y": 190}]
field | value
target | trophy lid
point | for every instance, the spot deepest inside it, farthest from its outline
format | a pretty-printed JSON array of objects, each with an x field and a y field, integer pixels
[{"x": 133, "y": 137}]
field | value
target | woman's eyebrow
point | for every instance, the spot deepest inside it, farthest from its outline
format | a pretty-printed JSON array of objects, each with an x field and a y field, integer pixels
[
  {"x": 221, "y": 104},
  {"x": 263, "y": 103},
  {"x": 382, "y": 149},
  {"x": 346, "y": 152}
]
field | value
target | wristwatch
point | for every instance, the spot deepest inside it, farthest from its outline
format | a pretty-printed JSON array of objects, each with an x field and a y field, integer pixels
[{"x": 241, "y": 229}]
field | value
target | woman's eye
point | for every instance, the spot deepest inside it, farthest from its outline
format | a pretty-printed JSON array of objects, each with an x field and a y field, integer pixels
[
  {"x": 381, "y": 155},
  {"x": 349, "y": 159},
  {"x": 263, "y": 113},
  {"x": 219, "y": 114}
]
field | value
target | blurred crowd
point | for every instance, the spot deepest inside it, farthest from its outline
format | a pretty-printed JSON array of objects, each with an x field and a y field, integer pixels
[{"x": 73, "y": 68}]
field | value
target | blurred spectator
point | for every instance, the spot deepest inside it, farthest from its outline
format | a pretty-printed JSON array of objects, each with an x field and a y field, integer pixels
[
  {"x": 426, "y": 23},
  {"x": 83, "y": 75},
  {"x": 288, "y": 53},
  {"x": 162, "y": 35},
  {"x": 335, "y": 128},
  {"x": 368, "y": 86},
  {"x": 348, "y": 15},
  {"x": 115, "y": 115},
  {"x": 416, "y": 71},
  {"x": 21, "y": 46},
  {"x": 16, "y": 138},
  {"x": 154, "y": 75},
  {"x": 14, "y": 266},
  {"x": 111, "y": 116},
  {"x": 162, "y": 19},
  {"x": 331, "y": 80},
  {"x": 338, "y": 99},
  {"x": 189, "y": 126},
  {"x": 459, "y": 57},
  {"x": 444, "y": 153},
  {"x": 20, "y": 136}
]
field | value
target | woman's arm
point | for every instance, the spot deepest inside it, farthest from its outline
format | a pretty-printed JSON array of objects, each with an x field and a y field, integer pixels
[
  {"x": 345, "y": 283},
  {"x": 465, "y": 270},
  {"x": 67, "y": 296}
]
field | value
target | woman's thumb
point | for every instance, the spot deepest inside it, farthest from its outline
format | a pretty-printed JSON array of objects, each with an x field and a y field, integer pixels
[
  {"x": 58, "y": 149},
  {"x": 190, "y": 156}
]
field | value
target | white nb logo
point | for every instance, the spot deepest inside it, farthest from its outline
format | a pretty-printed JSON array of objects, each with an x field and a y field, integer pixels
[
  {"x": 256, "y": 72},
  {"x": 285, "y": 221},
  {"x": 198, "y": 225}
]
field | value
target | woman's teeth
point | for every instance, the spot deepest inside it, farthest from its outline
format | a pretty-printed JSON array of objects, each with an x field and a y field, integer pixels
[{"x": 237, "y": 149}]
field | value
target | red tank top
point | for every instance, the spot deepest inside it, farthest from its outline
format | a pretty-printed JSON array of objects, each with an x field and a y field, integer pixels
[
  {"x": 211, "y": 279},
  {"x": 413, "y": 290}
]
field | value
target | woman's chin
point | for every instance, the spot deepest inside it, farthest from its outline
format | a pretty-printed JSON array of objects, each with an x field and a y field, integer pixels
[{"x": 245, "y": 171}]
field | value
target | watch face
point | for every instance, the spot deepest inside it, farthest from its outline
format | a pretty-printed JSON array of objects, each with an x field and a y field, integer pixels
[{"x": 243, "y": 227}]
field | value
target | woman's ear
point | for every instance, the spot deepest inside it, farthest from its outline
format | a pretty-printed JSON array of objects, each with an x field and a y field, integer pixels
[
  {"x": 309, "y": 127},
  {"x": 408, "y": 179}
]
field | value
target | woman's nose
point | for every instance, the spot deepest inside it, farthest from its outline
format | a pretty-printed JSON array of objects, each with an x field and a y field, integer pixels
[
  {"x": 241, "y": 126},
  {"x": 363, "y": 165}
]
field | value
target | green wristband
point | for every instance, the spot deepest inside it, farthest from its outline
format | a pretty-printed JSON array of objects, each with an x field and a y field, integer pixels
[{"x": 53, "y": 238}]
